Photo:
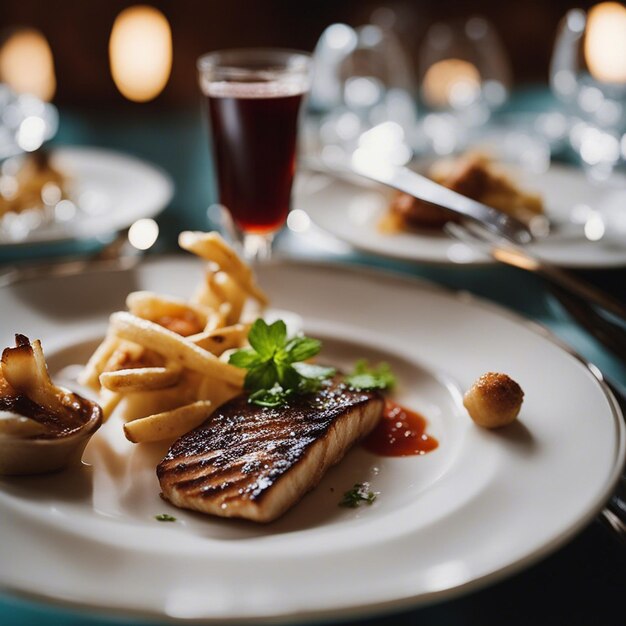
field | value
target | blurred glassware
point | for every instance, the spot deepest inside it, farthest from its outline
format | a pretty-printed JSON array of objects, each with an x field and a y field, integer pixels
[
  {"x": 335, "y": 44},
  {"x": 465, "y": 76},
  {"x": 373, "y": 86},
  {"x": 588, "y": 74},
  {"x": 26, "y": 122}
]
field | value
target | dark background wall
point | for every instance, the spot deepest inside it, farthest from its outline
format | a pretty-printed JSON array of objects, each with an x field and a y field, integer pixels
[{"x": 78, "y": 32}]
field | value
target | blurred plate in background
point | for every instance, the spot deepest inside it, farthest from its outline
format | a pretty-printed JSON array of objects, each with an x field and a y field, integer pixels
[
  {"x": 106, "y": 192},
  {"x": 586, "y": 234}
]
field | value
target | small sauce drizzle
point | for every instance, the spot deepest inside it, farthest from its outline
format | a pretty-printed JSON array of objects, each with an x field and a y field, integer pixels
[
  {"x": 400, "y": 432},
  {"x": 185, "y": 325}
]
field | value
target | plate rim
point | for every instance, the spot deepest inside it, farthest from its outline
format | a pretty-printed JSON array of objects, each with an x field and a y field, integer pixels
[
  {"x": 60, "y": 149},
  {"x": 388, "y": 607}
]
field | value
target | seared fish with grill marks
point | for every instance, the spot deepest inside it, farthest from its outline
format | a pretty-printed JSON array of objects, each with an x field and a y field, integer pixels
[{"x": 255, "y": 463}]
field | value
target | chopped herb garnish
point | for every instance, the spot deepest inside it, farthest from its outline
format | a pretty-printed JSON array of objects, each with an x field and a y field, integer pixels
[
  {"x": 364, "y": 377},
  {"x": 274, "y": 364},
  {"x": 271, "y": 398},
  {"x": 356, "y": 496},
  {"x": 164, "y": 517}
]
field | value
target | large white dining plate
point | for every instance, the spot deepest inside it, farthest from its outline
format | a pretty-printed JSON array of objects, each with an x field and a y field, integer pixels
[
  {"x": 351, "y": 211},
  {"x": 482, "y": 505},
  {"x": 109, "y": 190}
]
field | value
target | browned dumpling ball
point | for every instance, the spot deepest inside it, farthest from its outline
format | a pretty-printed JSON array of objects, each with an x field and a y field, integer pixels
[{"x": 494, "y": 400}]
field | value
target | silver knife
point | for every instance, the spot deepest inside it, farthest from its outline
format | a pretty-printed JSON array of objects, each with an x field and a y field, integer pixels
[{"x": 404, "y": 179}]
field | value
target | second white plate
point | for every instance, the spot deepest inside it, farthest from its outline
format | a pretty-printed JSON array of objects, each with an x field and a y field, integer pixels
[
  {"x": 351, "y": 211},
  {"x": 111, "y": 190}
]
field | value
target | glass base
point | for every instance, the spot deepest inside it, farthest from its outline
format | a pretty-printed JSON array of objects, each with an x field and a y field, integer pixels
[{"x": 257, "y": 248}]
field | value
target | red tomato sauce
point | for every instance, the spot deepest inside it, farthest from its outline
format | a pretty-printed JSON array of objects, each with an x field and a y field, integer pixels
[{"x": 400, "y": 432}]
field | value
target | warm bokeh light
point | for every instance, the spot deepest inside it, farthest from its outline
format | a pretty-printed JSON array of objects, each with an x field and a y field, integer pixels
[
  {"x": 451, "y": 83},
  {"x": 143, "y": 234},
  {"x": 605, "y": 42},
  {"x": 140, "y": 52},
  {"x": 26, "y": 64}
]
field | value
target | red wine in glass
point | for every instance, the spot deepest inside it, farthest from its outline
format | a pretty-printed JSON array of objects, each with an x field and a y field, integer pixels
[
  {"x": 254, "y": 132},
  {"x": 254, "y": 98}
]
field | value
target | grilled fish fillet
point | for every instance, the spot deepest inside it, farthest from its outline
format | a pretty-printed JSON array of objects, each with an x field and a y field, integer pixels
[{"x": 255, "y": 463}]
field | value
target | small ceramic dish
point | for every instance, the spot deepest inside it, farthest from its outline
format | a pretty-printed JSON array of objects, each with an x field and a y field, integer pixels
[{"x": 39, "y": 455}]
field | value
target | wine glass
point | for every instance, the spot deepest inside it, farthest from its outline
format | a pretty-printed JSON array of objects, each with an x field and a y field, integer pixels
[
  {"x": 465, "y": 75},
  {"x": 588, "y": 75},
  {"x": 254, "y": 97},
  {"x": 373, "y": 87}
]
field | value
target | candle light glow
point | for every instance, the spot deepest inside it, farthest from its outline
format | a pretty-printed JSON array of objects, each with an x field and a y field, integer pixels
[
  {"x": 451, "y": 82},
  {"x": 140, "y": 52},
  {"x": 26, "y": 64},
  {"x": 605, "y": 42}
]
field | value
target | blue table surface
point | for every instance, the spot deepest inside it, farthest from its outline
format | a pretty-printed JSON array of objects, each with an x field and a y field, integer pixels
[{"x": 581, "y": 583}]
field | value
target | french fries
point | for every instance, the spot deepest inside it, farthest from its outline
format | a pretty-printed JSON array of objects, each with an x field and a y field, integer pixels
[
  {"x": 138, "y": 404},
  {"x": 163, "y": 366},
  {"x": 173, "y": 347},
  {"x": 217, "y": 394},
  {"x": 153, "y": 307},
  {"x": 90, "y": 376},
  {"x": 222, "y": 339},
  {"x": 169, "y": 424},
  {"x": 141, "y": 378},
  {"x": 229, "y": 291},
  {"x": 205, "y": 295},
  {"x": 212, "y": 247},
  {"x": 217, "y": 318}
]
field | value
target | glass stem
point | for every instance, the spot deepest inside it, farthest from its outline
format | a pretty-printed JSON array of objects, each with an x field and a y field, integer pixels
[{"x": 257, "y": 248}]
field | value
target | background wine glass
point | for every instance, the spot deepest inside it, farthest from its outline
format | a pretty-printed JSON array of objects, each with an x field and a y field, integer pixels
[
  {"x": 254, "y": 98},
  {"x": 588, "y": 75},
  {"x": 464, "y": 76},
  {"x": 374, "y": 86}
]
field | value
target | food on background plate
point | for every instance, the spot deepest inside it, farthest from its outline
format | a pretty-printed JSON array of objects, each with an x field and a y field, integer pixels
[
  {"x": 255, "y": 462},
  {"x": 473, "y": 175},
  {"x": 30, "y": 183},
  {"x": 494, "y": 400},
  {"x": 42, "y": 427}
]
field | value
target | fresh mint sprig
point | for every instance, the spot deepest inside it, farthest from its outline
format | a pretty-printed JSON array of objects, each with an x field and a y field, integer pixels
[{"x": 274, "y": 364}]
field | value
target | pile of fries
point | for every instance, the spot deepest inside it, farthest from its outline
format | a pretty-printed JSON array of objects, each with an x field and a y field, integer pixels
[{"x": 164, "y": 362}]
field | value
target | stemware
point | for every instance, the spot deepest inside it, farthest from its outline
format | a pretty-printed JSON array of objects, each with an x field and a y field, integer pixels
[
  {"x": 464, "y": 77},
  {"x": 374, "y": 86},
  {"x": 588, "y": 75},
  {"x": 254, "y": 97}
]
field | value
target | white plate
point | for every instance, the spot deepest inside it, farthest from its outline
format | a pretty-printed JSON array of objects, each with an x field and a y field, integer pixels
[
  {"x": 351, "y": 212},
  {"x": 481, "y": 506},
  {"x": 111, "y": 189}
]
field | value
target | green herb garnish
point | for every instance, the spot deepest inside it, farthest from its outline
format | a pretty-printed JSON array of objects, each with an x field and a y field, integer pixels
[
  {"x": 275, "y": 370},
  {"x": 164, "y": 517},
  {"x": 356, "y": 496},
  {"x": 365, "y": 377}
]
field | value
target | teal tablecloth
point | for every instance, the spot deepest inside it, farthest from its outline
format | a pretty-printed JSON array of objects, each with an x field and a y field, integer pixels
[{"x": 582, "y": 583}]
